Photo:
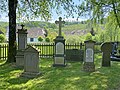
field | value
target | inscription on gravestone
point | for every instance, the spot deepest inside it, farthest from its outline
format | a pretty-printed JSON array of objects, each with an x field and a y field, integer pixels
[
  {"x": 59, "y": 60},
  {"x": 89, "y": 55},
  {"x": 59, "y": 48}
]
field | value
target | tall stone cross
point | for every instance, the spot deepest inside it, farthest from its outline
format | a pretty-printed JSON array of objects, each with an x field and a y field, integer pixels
[
  {"x": 60, "y": 22},
  {"x": 22, "y": 26}
]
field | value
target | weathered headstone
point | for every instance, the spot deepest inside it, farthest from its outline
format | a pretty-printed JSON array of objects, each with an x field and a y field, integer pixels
[
  {"x": 89, "y": 56},
  {"x": 22, "y": 38},
  {"x": 59, "y": 54},
  {"x": 31, "y": 62},
  {"x": 106, "y": 49},
  {"x": 22, "y": 44}
]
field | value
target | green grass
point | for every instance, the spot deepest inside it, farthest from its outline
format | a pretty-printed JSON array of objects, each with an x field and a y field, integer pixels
[{"x": 71, "y": 77}]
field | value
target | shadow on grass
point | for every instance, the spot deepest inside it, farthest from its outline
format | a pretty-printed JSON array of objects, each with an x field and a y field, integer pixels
[
  {"x": 70, "y": 77},
  {"x": 10, "y": 75}
]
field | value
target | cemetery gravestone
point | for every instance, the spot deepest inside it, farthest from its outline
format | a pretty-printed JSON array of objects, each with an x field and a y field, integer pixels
[
  {"x": 31, "y": 62},
  {"x": 106, "y": 49},
  {"x": 22, "y": 44},
  {"x": 22, "y": 38},
  {"x": 89, "y": 56},
  {"x": 59, "y": 53}
]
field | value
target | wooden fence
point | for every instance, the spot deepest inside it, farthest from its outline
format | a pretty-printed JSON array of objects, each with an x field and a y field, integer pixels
[
  {"x": 47, "y": 49},
  {"x": 3, "y": 51}
]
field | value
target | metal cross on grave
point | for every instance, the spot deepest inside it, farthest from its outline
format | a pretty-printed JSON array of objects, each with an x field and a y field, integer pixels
[{"x": 60, "y": 22}]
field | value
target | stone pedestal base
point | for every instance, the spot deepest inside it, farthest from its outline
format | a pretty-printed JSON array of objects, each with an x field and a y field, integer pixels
[
  {"x": 89, "y": 67},
  {"x": 59, "y": 61},
  {"x": 30, "y": 74},
  {"x": 20, "y": 58}
]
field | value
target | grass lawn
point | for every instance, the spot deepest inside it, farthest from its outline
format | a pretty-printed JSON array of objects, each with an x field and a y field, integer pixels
[{"x": 62, "y": 78}]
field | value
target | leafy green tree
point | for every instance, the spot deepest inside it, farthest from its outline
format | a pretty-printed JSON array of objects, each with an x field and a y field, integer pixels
[
  {"x": 47, "y": 39},
  {"x": 27, "y": 9},
  {"x": 2, "y": 38},
  {"x": 12, "y": 4},
  {"x": 97, "y": 10},
  {"x": 40, "y": 39}
]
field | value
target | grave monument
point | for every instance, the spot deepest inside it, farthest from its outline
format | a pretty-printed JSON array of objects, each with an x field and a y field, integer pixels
[
  {"x": 22, "y": 44},
  {"x": 106, "y": 49},
  {"x": 59, "y": 53},
  {"x": 31, "y": 62},
  {"x": 88, "y": 64}
]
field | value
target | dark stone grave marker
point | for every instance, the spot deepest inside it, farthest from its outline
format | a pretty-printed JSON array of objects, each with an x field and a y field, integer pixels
[
  {"x": 74, "y": 55},
  {"x": 106, "y": 49}
]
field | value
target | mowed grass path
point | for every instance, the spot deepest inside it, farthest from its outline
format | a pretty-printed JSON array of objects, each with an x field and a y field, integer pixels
[{"x": 71, "y": 77}]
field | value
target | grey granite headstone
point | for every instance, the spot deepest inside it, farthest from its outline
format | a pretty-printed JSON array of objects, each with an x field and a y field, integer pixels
[
  {"x": 31, "y": 63},
  {"x": 20, "y": 58},
  {"x": 22, "y": 44},
  {"x": 89, "y": 55},
  {"x": 106, "y": 49},
  {"x": 59, "y": 53},
  {"x": 88, "y": 64},
  {"x": 22, "y": 38}
]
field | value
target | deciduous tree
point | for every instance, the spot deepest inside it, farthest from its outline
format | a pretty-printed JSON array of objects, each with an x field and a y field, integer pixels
[
  {"x": 97, "y": 10},
  {"x": 28, "y": 9}
]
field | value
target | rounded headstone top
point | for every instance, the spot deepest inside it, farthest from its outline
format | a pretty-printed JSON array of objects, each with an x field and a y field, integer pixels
[
  {"x": 89, "y": 41},
  {"x": 107, "y": 46}
]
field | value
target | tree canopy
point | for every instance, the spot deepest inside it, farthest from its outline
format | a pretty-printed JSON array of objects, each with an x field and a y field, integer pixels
[
  {"x": 97, "y": 10},
  {"x": 30, "y": 9}
]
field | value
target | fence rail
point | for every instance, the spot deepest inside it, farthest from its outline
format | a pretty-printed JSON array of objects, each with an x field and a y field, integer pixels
[{"x": 47, "y": 49}]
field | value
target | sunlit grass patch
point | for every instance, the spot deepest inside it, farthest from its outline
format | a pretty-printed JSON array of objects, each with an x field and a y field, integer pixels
[{"x": 71, "y": 77}]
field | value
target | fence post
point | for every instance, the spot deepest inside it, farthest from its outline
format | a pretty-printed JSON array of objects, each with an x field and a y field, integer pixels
[{"x": 80, "y": 45}]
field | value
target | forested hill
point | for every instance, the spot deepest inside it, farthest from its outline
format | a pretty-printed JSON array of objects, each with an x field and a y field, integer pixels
[{"x": 68, "y": 26}]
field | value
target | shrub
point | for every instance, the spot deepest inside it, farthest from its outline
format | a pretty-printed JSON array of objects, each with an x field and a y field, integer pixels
[
  {"x": 40, "y": 39},
  {"x": 47, "y": 39}
]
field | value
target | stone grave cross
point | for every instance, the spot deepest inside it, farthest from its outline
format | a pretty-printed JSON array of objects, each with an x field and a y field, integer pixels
[
  {"x": 60, "y": 22},
  {"x": 22, "y": 26}
]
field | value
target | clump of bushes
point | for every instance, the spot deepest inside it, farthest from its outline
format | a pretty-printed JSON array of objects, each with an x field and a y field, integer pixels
[
  {"x": 47, "y": 39},
  {"x": 40, "y": 39}
]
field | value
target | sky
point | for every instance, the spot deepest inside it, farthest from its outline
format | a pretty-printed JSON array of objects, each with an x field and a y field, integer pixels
[{"x": 4, "y": 17}]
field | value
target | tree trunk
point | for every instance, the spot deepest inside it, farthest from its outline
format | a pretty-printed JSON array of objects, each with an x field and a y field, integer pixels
[
  {"x": 115, "y": 13},
  {"x": 12, "y": 31}
]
